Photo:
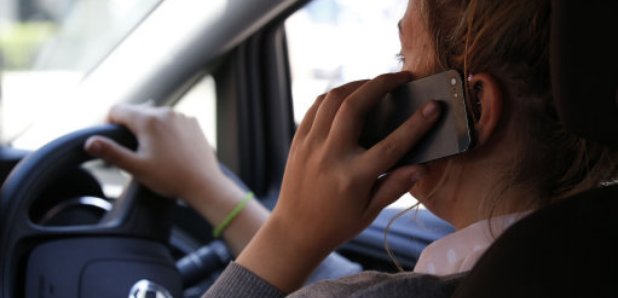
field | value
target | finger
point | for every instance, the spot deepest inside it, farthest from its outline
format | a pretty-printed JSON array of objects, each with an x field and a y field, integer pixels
[
  {"x": 393, "y": 186},
  {"x": 350, "y": 118},
  {"x": 307, "y": 122},
  {"x": 132, "y": 116},
  {"x": 329, "y": 107},
  {"x": 112, "y": 152},
  {"x": 383, "y": 155}
]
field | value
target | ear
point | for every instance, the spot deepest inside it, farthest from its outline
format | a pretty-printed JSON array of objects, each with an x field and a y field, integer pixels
[{"x": 487, "y": 102}]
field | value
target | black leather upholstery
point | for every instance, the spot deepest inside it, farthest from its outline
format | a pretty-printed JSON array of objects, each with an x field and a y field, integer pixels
[
  {"x": 584, "y": 67},
  {"x": 568, "y": 249}
]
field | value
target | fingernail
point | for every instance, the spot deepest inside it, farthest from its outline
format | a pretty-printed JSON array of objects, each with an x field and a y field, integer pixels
[
  {"x": 94, "y": 147},
  {"x": 430, "y": 109}
]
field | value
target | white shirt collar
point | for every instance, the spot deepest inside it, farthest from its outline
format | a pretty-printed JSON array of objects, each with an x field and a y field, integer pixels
[{"x": 459, "y": 251}]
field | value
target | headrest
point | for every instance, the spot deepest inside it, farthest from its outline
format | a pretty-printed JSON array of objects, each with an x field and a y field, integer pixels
[
  {"x": 567, "y": 249},
  {"x": 584, "y": 67}
]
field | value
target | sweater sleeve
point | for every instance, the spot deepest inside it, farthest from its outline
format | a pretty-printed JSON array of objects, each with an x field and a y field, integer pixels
[
  {"x": 333, "y": 267},
  {"x": 236, "y": 281}
]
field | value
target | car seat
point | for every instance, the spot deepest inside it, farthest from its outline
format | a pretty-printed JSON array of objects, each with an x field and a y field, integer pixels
[{"x": 567, "y": 249}]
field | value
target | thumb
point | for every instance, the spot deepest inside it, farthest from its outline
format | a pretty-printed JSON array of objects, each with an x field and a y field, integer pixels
[
  {"x": 112, "y": 152},
  {"x": 394, "y": 185}
]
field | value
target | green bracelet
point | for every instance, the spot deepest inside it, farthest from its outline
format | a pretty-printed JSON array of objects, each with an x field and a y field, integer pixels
[{"x": 217, "y": 231}]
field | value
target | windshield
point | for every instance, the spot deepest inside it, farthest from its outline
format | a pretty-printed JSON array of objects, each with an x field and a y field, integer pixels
[{"x": 48, "y": 46}]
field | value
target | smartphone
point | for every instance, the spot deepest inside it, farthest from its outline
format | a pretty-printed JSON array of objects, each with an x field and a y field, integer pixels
[{"x": 452, "y": 133}]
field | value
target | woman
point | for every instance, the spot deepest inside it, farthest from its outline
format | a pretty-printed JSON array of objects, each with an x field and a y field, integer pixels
[{"x": 522, "y": 158}]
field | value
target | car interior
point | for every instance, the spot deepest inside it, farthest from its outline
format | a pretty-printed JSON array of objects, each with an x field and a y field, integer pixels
[{"x": 63, "y": 235}]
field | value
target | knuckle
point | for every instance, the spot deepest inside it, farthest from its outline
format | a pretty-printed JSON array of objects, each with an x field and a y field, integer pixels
[
  {"x": 336, "y": 93},
  {"x": 298, "y": 143},
  {"x": 166, "y": 113},
  {"x": 345, "y": 183},
  {"x": 151, "y": 122},
  {"x": 383, "y": 80},
  {"x": 348, "y": 107},
  {"x": 390, "y": 148},
  {"x": 304, "y": 149}
]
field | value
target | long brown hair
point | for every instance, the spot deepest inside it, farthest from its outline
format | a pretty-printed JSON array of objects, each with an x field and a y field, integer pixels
[{"x": 510, "y": 40}]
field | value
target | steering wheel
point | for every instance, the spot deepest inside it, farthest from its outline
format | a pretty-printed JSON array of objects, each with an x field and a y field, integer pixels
[{"x": 124, "y": 254}]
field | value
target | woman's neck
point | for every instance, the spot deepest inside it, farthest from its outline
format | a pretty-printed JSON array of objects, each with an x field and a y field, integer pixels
[{"x": 478, "y": 188}]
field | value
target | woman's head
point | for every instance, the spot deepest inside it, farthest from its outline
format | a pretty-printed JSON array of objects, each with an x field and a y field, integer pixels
[{"x": 503, "y": 48}]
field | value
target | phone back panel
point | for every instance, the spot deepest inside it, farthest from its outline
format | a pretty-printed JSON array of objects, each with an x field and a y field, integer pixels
[{"x": 451, "y": 135}]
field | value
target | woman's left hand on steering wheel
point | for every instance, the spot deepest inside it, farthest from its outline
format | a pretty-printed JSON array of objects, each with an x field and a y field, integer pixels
[{"x": 173, "y": 157}]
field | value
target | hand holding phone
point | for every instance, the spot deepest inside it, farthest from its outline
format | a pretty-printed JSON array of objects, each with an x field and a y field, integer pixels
[{"x": 451, "y": 135}]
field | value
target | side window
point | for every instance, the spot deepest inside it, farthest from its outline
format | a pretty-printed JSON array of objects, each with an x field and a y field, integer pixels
[
  {"x": 332, "y": 42},
  {"x": 201, "y": 102}
]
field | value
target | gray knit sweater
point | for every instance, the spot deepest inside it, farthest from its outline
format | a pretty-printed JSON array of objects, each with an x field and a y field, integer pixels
[{"x": 236, "y": 281}]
